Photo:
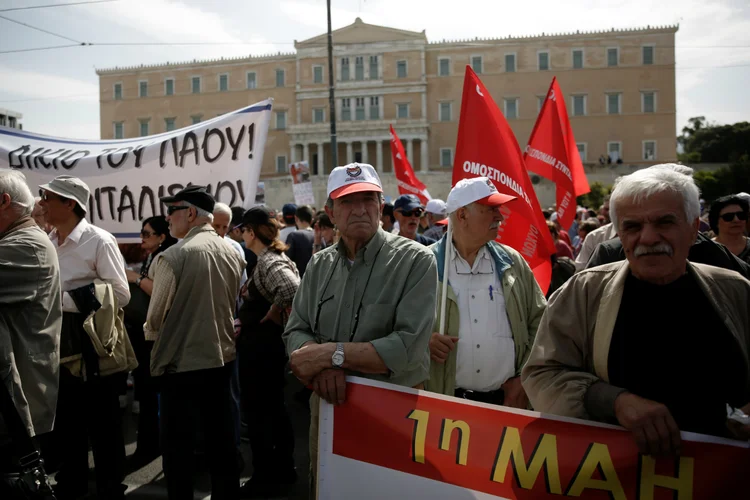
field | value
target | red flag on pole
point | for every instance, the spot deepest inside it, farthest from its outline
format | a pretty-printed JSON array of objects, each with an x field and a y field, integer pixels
[
  {"x": 407, "y": 181},
  {"x": 486, "y": 147},
  {"x": 552, "y": 153}
]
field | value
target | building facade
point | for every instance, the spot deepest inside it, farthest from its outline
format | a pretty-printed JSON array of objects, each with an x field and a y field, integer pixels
[
  {"x": 619, "y": 88},
  {"x": 10, "y": 118}
]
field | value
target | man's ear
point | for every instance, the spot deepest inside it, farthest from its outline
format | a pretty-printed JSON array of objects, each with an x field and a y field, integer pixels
[{"x": 329, "y": 212}]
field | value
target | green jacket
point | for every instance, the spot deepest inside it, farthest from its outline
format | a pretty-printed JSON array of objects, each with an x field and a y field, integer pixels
[{"x": 524, "y": 302}]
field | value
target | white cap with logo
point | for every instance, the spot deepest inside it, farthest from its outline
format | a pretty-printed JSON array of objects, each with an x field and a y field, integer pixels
[
  {"x": 353, "y": 178},
  {"x": 475, "y": 190}
]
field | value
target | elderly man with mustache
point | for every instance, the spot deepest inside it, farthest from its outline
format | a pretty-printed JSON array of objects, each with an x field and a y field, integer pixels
[{"x": 655, "y": 343}]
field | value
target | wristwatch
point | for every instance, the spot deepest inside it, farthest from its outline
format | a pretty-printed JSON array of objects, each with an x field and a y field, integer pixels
[
  {"x": 138, "y": 280},
  {"x": 338, "y": 356}
]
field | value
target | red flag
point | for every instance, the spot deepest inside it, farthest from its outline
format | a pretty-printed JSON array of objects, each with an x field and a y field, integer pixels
[
  {"x": 407, "y": 181},
  {"x": 486, "y": 147},
  {"x": 552, "y": 153}
]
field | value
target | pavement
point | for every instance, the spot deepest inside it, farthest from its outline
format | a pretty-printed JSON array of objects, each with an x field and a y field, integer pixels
[{"x": 148, "y": 482}]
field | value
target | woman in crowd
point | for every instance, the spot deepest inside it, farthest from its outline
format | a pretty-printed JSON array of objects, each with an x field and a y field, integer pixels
[
  {"x": 728, "y": 220},
  {"x": 155, "y": 238},
  {"x": 325, "y": 232},
  {"x": 584, "y": 228},
  {"x": 268, "y": 297}
]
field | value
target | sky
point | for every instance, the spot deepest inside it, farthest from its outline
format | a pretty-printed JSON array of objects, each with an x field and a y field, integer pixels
[{"x": 58, "y": 93}]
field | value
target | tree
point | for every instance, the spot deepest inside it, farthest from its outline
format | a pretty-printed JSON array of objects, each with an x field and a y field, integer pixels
[
  {"x": 594, "y": 198},
  {"x": 727, "y": 180},
  {"x": 711, "y": 143}
]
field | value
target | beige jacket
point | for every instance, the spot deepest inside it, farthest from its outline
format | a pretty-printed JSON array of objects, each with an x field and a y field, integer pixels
[
  {"x": 572, "y": 345},
  {"x": 107, "y": 332}
]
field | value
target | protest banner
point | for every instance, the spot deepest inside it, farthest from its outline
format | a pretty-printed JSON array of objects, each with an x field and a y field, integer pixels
[
  {"x": 407, "y": 180},
  {"x": 301, "y": 183},
  {"x": 486, "y": 147},
  {"x": 128, "y": 176},
  {"x": 388, "y": 441},
  {"x": 552, "y": 153}
]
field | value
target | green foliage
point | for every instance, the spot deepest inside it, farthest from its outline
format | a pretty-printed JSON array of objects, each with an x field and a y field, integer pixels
[
  {"x": 728, "y": 180},
  {"x": 710, "y": 143},
  {"x": 595, "y": 198}
]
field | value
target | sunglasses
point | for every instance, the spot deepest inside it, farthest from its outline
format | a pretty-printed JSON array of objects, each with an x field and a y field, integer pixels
[
  {"x": 417, "y": 212},
  {"x": 46, "y": 195},
  {"x": 146, "y": 234},
  {"x": 729, "y": 217},
  {"x": 172, "y": 209}
]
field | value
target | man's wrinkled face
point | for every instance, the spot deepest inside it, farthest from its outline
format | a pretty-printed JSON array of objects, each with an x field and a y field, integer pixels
[
  {"x": 656, "y": 236},
  {"x": 54, "y": 208},
  {"x": 221, "y": 223},
  {"x": 483, "y": 221},
  {"x": 357, "y": 215},
  {"x": 178, "y": 217},
  {"x": 408, "y": 221}
]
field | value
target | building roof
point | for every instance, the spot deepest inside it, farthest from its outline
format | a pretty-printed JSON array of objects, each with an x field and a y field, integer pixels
[{"x": 361, "y": 32}]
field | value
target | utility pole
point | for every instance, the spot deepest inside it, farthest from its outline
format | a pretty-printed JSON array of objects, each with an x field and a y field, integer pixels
[{"x": 331, "y": 100}]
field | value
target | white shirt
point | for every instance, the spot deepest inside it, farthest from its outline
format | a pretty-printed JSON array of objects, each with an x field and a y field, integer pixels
[
  {"x": 486, "y": 354},
  {"x": 88, "y": 253},
  {"x": 598, "y": 235},
  {"x": 238, "y": 248}
]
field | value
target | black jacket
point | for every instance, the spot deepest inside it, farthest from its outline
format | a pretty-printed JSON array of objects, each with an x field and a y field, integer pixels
[{"x": 300, "y": 248}]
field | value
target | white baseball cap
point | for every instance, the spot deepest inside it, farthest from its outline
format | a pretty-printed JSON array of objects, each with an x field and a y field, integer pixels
[
  {"x": 475, "y": 190},
  {"x": 436, "y": 206},
  {"x": 353, "y": 178}
]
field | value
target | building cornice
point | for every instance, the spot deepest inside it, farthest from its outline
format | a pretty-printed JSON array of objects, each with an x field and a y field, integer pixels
[{"x": 196, "y": 63}]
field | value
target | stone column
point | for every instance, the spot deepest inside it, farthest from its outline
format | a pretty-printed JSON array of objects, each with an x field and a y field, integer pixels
[
  {"x": 293, "y": 156},
  {"x": 321, "y": 160},
  {"x": 379, "y": 156},
  {"x": 365, "y": 159},
  {"x": 424, "y": 155},
  {"x": 410, "y": 151},
  {"x": 349, "y": 153},
  {"x": 306, "y": 152}
]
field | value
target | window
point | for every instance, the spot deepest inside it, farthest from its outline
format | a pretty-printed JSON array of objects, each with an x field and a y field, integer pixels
[
  {"x": 445, "y": 112},
  {"x": 317, "y": 74},
  {"x": 119, "y": 130},
  {"x": 280, "y": 120},
  {"x": 446, "y": 157},
  {"x": 648, "y": 102},
  {"x": 613, "y": 56},
  {"x": 614, "y": 150},
  {"x": 476, "y": 64},
  {"x": 510, "y": 63},
  {"x": 169, "y": 124},
  {"x": 195, "y": 119},
  {"x": 648, "y": 55},
  {"x": 281, "y": 165},
  {"x": 359, "y": 68},
  {"x": 401, "y": 69},
  {"x": 344, "y": 69},
  {"x": 582, "y": 150},
  {"x": 579, "y": 105},
  {"x": 252, "y": 82},
  {"x": 543, "y": 61},
  {"x": 169, "y": 86},
  {"x": 196, "y": 85},
  {"x": 346, "y": 109},
  {"x": 511, "y": 108},
  {"x": 318, "y": 115},
  {"x": 613, "y": 104},
  {"x": 374, "y": 108},
  {"x": 144, "y": 128},
  {"x": 540, "y": 102},
  {"x": 374, "y": 74},
  {"x": 578, "y": 59},
  {"x": 359, "y": 110},
  {"x": 118, "y": 91},
  {"x": 649, "y": 150},
  {"x": 444, "y": 66},
  {"x": 280, "y": 77},
  {"x": 402, "y": 111},
  {"x": 143, "y": 89},
  {"x": 223, "y": 83}
]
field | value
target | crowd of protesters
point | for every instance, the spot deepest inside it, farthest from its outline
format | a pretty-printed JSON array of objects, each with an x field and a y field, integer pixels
[{"x": 217, "y": 304}]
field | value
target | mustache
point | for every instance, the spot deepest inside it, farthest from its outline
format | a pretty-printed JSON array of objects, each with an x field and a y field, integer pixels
[{"x": 659, "y": 248}]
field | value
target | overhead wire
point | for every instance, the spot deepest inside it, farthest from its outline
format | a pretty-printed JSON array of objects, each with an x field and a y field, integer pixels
[{"x": 56, "y": 5}]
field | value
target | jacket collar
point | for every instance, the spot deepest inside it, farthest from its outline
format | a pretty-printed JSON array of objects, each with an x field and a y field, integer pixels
[
  {"x": 369, "y": 251},
  {"x": 499, "y": 256},
  {"x": 199, "y": 229},
  {"x": 75, "y": 234},
  {"x": 19, "y": 224}
]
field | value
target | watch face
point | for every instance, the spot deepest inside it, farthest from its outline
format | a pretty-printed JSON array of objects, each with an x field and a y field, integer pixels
[{"x": 338, "y": 359}]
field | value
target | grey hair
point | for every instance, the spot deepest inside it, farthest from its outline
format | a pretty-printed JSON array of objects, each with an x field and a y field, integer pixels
[
  {"x": 675, "y": 167},
  {"x": 199, "y": 212},
  {"x": 13, "y": 183},
  {"x": 222, "y": 208},
  {"x": 329, "y": 201},
  {"x": 650, "y": 181}
]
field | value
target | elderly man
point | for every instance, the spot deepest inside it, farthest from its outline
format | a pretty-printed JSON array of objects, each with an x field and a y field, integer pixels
[
  {"x": 190, "y": 318},
  {"x": 366, "y": 305},
  {"x": 88, "y": 406},
  {"x": 30, "y": 313},
  {"x": 629, "y": 353},
  {"x": 494, "y": 304},
  {"x": 435, "y": 211},
  {"x": 408, "y": 210}
]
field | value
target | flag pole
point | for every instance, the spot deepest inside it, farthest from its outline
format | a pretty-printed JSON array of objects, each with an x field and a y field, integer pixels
[{"x": 446, "y": 262}]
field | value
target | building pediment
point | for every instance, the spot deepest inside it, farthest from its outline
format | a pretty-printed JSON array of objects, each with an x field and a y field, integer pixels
[{"x": 360, "y": 32}]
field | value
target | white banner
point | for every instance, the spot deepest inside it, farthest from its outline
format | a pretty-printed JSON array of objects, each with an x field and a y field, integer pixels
[
  {"x": 128, "y": 176},
  {"x": 301, "y": 183}
]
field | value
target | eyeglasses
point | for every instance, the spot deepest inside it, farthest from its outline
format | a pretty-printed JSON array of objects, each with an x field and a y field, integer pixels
[
  {"x": 46, "y": 195},
  {"x": 174, "y": 208},
  {"x": 146, "y": 234},
  {"x": 417, "y": 212},
  {"x": 729, "y": 216}
]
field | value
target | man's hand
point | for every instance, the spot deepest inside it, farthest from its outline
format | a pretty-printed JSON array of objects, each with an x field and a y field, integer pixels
[
  {"x": 515, "y": 396},
  {"x": 309, "y": 360},
  {"x": 273, "y": 314},
  {"x": 330, "y": 384},
  {"x": 441, "y": 346},
  {"x": 652, "y": 425}
]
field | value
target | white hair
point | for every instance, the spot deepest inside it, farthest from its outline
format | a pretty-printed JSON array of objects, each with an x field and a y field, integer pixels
[
  {"x": 453, "y": 216},
  {"x": 199, "y": 212},
  {"x": 650, "y": 181},
  {"x": 13, "y": 183},
  {"x": 675, "y": 167},
  {"x": 222, "y": 208}
]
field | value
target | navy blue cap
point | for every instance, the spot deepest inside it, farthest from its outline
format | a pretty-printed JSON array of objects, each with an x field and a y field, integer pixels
[{"x": 407, "y": 202}]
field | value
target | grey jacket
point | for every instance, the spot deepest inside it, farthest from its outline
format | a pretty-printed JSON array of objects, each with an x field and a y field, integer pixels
[{"x": 30, "y": 323}]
